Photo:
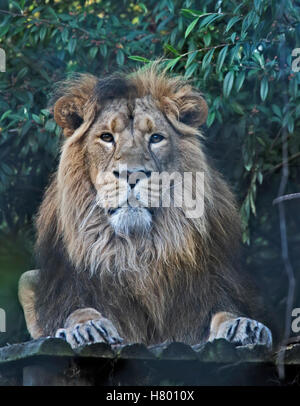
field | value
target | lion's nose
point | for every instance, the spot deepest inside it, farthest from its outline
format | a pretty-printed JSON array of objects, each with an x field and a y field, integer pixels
[{"x": 133, "y": 176}]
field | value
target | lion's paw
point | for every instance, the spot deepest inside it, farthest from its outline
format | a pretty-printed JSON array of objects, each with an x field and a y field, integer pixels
[
  {"x": 93, "y": 331},
  {"x": 243, "y": 331}
]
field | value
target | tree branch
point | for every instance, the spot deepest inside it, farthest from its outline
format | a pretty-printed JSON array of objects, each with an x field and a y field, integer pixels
[
  {"x": 278, "y": 166},
  {"x": 286, "y": 197}
]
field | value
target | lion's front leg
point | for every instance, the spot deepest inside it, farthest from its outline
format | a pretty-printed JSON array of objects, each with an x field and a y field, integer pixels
[
  {"x": 27, "y": 286},
  {"x": 87, "y": 325},
  {"x": 239, "y": 330}
]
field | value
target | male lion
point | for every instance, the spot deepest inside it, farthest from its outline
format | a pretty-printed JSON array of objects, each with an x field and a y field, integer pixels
[{"x": 110, "y": 271}]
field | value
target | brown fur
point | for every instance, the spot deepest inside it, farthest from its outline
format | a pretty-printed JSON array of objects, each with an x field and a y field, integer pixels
[{"x": 168, "y": 284}]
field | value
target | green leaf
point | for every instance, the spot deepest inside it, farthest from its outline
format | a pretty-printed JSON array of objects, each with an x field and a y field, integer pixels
[
  {"x": 248, "y": 166},
  {"x": 257, "y": 5},
  {"x": 252, "y": 204},
  {"x": 25, "y": 128},
  {"x": 172, "y": 49},
  {"x": 50, "y": 126},
  {"x": 120, "y": 57},
  {"x": 3, "y": 30},
  {"x": 245, "y": 235},
  {"x": 246, "y": 207},
  {"x": 261, "y": 141},
  {"x": 37, "y": 119},
  {"x": 232, "y": 37},
  {"x": 276, "y": 110},
  {"x": 72, "y": 45},
  {"x": 285, "y": 120},
  {"x": 143, "y": 7},
  {"x": 43, "y": 32},
  {"x": 190, "y": 70},
  {"x": 6, "y": 169},
  {"x": 45, "y": 112},
  {"x": 93, "y": 52},
  {"x": 58, "y": 131},
  {"x": 103, "y": 50},
  {"x": 139, "y": 58},
  {"x": 5, "y": 114},
  {"x": 65, "y": 35},
  {"x": 240, "y": 80},
  {"x": 23, "y": 72},
  {"x": 170, "y": 65},
  {"x": 207, "y": 73},
  {"x": 247, "y": 21},
  {"x": 228, "y": 83},
  {"x": 209, "y": 19},
  {"x": 170, "y": 6},
  {"x": 234, "y": 54},
  {"x": 210, "y": 118},
  {"x": 51, "y": 11},
  {"x": 221, "y": 58},
  {"x": 190, "y": 59},
  {"x": 231, "y": 23},
  {"x": 191, "y": 27},
  {"x": 259, "y": 58},
  {"x": 237, "y": 108},
  {"x": 207, "y": 58},
  {"x": 291, "y": 125},
  {"x": 264, "y": 88},
  {"x": 207, "y": 39},
  {"x": 17, "y": 6},
  {"x": 45, "y": 75},
  {"x": 193, "y": 12}
]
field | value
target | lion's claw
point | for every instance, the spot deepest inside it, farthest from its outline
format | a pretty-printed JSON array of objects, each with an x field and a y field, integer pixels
[
  {"x": 92, "y": 331},
  {"x": 243, "y": 331}
]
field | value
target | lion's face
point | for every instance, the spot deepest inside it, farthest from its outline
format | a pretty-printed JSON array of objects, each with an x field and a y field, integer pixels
[{"x": 126, "y": 146}]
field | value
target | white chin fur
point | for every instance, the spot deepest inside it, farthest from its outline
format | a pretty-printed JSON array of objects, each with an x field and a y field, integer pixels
[{"x": 129, "y": 220}]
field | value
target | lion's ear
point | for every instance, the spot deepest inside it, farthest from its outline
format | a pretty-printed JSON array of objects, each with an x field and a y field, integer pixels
[
  {"x": 68, "y": 113},
  {"x": 193, "y": 109}
]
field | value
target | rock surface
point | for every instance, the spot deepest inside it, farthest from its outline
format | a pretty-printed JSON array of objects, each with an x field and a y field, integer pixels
[{"x": 51, "y": 361}]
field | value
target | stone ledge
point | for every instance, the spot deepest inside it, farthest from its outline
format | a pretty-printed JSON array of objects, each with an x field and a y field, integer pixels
[
  {"x": 51, "y": 361},
  {"x": 217, "y": 351}
]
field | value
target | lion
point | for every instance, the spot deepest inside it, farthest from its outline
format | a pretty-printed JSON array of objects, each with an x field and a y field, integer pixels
[{"x": 115, "y": 272}]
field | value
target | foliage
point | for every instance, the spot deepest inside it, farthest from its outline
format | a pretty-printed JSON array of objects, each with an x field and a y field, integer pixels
[
  {"x": 44, "y": 42},
  {"x": 239, "y": 53}
]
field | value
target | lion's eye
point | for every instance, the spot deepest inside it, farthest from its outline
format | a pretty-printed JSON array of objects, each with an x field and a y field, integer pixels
[
  {"x": 155, "y": 138},
  {"x": 107, "y": 137}
]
